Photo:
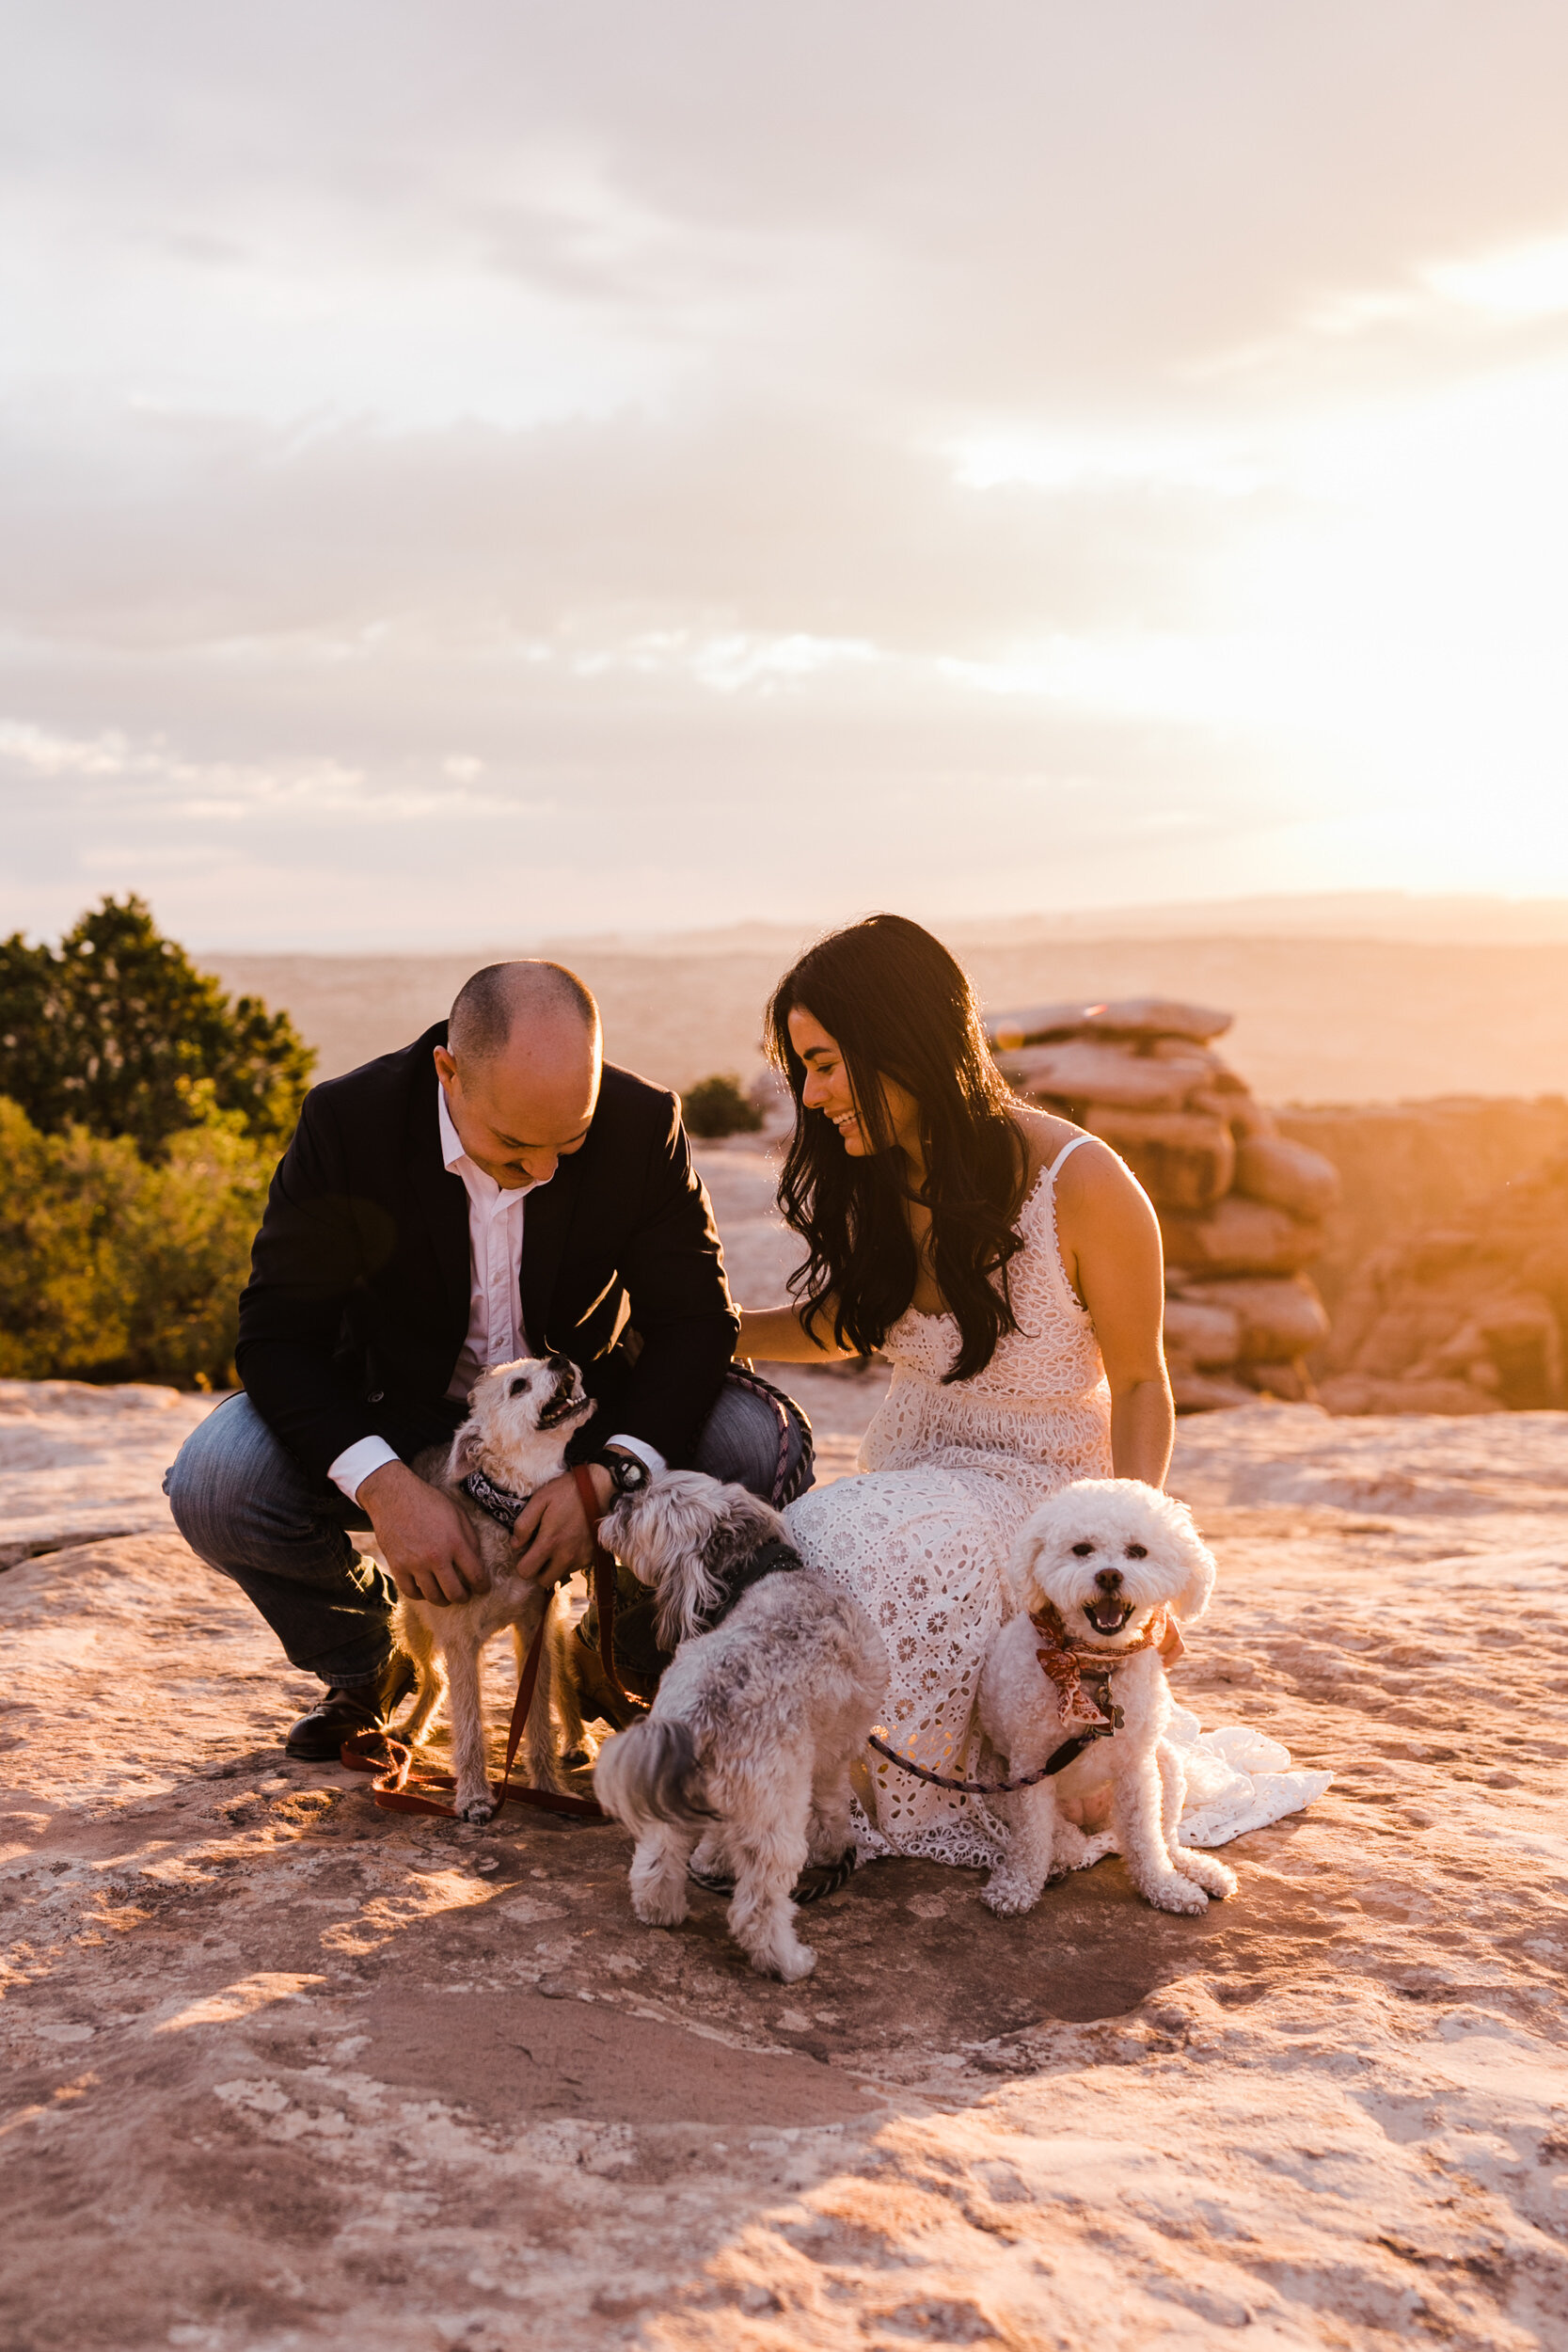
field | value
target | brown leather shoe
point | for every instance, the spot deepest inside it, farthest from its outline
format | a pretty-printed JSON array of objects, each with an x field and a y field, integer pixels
[{"x": 348, "y": 1708}]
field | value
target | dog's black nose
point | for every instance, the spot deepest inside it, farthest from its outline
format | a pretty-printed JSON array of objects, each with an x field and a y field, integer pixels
[
  {"x": 1108, "y": 1579},
  {"x": 558, "y": 1362}
]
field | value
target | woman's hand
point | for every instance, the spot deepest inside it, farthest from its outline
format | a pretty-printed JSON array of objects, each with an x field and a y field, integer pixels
[
  {"x": 777, "y": 1335},
  {"x": 1110, "y": 1244}
]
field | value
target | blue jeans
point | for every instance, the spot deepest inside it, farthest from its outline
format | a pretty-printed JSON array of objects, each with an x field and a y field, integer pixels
[{"x": 244, "y": 1505}]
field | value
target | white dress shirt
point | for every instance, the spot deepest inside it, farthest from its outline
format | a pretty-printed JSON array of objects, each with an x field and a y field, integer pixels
[{"x": 495, "y": 1333}]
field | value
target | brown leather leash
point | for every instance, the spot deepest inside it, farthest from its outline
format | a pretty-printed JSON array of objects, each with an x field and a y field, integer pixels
[
  {"x": 378, "y": 1751},
  {"x": 604, "y": 1589}
]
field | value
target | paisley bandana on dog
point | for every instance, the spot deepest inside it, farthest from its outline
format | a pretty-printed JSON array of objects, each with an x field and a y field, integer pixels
[
  {"x": 1067, "y": 1664},
  {"x": 503, "y": 1508}
]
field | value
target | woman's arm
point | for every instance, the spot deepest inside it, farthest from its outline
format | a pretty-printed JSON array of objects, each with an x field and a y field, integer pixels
[
  {"x": 778, "y": 1335},
  {"x": 1110, "y": 1240}
]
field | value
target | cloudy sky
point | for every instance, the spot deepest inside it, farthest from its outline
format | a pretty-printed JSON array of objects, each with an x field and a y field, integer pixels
[{"x": 481, "y": 469}]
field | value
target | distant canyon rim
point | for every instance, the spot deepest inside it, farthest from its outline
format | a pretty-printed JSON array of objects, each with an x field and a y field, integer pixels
[{"x": 1339, "y": 1017}]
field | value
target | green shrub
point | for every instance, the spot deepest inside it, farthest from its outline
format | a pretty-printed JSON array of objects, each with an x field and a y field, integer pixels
[
  {"x": 116, "y": 1031},
  {"x": 716, "y": 1106},
  {"x": 113, "y": 1267}
]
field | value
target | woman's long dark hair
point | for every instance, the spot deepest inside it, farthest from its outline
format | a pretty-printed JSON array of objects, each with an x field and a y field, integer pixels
[{"x": 897, "y": 1006}]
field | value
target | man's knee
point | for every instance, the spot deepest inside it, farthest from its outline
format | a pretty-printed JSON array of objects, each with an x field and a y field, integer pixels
[
  {"x": 753, "y": 1440},
  {"x": 233, "y": 1489}
]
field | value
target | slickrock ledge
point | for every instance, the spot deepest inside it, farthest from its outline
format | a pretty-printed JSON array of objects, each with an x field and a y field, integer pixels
[{"x": 287, "y": 2071}]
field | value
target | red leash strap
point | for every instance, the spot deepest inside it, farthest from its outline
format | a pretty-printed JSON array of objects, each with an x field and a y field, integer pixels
[
  {"x": 604, "y": 1589},
  {"x": 378, "y": 1751}
]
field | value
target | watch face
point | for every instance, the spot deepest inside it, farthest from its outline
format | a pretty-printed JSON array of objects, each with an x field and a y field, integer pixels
[{"x": 631, "y": 1475}]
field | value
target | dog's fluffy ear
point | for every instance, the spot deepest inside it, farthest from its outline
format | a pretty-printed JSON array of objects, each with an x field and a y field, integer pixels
[
  {"x": 1195, "y": 1557},
  {"x": 468, "y": 1445},
  {"x": 1027, "y": 1545}
]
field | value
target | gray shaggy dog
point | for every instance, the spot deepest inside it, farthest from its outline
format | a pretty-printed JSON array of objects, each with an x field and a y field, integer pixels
[{"x": 744, "y": 1759}]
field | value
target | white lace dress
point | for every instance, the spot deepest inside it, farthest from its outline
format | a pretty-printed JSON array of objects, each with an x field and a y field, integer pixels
[{"x": 921, "y": 1540}]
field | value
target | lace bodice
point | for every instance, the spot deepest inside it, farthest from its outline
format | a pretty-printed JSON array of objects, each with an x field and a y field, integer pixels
[{"x": 1042, "y": 1401}]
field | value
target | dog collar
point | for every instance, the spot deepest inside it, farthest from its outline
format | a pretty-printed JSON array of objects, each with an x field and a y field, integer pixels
[
  {"x": 494, "y": 1500},
  {"x": 774, "y": 1556}
]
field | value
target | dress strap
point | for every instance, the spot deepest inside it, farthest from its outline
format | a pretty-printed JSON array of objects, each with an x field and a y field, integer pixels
[{"x": 1066, "y": 1153}]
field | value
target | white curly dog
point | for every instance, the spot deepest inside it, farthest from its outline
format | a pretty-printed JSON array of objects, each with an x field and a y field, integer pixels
[{"x": 1098, "y": 1576}]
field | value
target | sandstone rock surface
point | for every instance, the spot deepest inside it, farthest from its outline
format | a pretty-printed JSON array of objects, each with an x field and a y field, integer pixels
[
  {"x": 288, "y": 2071},
  {"x": 78, "y": 1461}
]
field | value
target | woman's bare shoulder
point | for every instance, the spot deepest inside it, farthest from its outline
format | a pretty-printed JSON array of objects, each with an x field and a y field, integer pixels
[
  {"x": 1044, "y": 1136},
  {"x": 1096, "y": 1173}
]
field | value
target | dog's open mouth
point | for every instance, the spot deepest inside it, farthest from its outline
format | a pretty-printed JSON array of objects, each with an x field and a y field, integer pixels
[
  {"x": 563, "y": 1405},
  {"x": 1108, "y": 1615}
]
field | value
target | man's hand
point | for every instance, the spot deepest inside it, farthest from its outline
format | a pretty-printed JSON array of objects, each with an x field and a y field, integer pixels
[
  {"x": 552, "y": 1533},
  {"x": 422, "y": 1533}
]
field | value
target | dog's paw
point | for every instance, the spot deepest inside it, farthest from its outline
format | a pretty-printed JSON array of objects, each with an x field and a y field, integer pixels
[
  {"x": 1176, "y": 1892},
  {"x": 789, "y": 1962},
  {"x": 1008, "y": 1894},
  {"x": 659, "y": 1906},
  {"x": 475, "y": 1809},
  {"x": 1215, "y": 1877},
  {"x": 1070, "y": 1850}
]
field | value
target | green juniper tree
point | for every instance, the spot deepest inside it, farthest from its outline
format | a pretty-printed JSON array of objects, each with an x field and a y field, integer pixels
[
  {"x": 117, "y": 1031},
  {"x": 716, "y": 1106}
]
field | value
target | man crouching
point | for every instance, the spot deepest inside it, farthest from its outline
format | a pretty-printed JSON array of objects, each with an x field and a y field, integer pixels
[{"x": 490, "y": 1192}]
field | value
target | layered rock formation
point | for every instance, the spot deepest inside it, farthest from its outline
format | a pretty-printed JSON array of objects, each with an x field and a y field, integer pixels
[
  {"x": 1409, "y": 1169},
  {"x": 1240, "y": 1206},
  {"x": 1468, "y": 1317}
]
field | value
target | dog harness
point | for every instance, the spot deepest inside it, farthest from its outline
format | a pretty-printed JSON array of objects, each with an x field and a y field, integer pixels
[
  {"x": 494, "y": 1500},
  {"x": 1082, "y": 1675}
]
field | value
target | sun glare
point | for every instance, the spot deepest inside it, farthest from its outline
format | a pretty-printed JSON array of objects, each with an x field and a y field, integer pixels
[{"x": 1521, "y": 281}]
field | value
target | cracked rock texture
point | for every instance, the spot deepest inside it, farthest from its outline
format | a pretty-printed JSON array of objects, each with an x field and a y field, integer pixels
[{"x": 286, "y": 2071}]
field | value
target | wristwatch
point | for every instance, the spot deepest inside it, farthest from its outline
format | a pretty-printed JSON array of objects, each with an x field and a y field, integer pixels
[{"x": 628, "y": 1472}]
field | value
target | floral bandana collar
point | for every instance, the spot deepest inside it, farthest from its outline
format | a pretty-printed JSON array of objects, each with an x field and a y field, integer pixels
[{"x": 1070, "y": 1666}]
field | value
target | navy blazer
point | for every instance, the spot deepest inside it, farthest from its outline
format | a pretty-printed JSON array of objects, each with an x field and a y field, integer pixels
[{"x": 358, "y": 1304}]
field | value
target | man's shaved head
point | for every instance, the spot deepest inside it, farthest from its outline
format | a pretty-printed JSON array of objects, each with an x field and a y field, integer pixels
[
  {"x": 490, "y": 1005},
  {"x": 521, "y": 1068}
]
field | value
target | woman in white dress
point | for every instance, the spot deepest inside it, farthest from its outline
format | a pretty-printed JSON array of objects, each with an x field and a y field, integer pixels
[{"x": 1009, "y": 1264}]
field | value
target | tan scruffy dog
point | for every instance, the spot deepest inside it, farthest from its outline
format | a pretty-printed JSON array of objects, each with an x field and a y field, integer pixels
[
  {"x": 772, "y": 1689},
  {"x": 1099, "y": 1575},
  {"x": 514, "y": 1439}
]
